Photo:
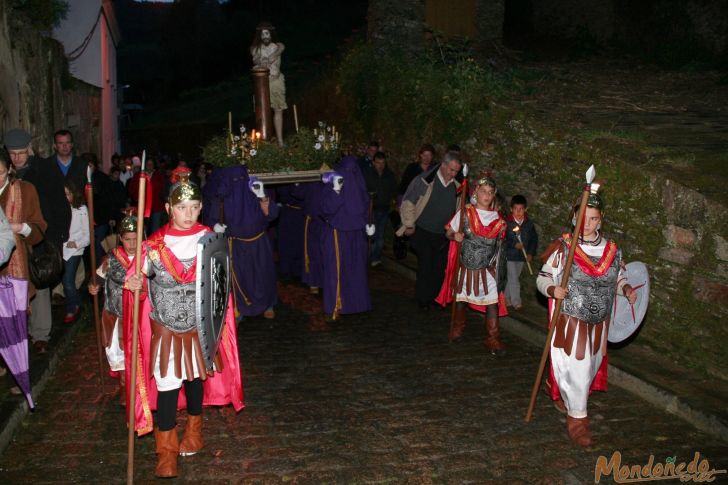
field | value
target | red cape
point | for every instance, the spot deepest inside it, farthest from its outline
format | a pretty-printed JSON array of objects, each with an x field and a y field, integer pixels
[
  {"x": 220, "y": 389},
  {"x": 495, "y": 228}
]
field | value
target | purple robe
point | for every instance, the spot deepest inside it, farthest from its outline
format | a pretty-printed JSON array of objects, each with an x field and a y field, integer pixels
[
  {"x": 254, "y": 276},
  {"x": 344, "y": 243},
  {"x": 312, "y": 271},
  {"x": 290, "y": 231}
]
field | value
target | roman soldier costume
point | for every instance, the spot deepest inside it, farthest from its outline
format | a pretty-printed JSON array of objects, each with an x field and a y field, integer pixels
[{"x": 579, "y": 344}]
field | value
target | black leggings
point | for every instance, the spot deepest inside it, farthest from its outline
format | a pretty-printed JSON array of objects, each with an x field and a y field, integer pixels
[{"x": 167, "y": 404}]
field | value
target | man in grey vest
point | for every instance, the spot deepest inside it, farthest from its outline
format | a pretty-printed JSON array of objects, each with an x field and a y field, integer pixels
[{"x": 428, "y": 204}]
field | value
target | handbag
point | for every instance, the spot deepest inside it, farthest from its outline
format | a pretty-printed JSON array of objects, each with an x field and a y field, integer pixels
[{"x": 45, "y": 265}]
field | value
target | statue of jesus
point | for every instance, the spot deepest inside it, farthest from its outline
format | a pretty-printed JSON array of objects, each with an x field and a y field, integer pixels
[{"x": 266, "y": 52}]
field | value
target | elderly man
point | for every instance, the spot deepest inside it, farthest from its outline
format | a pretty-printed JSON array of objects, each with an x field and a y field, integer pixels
[
  {"x": 56, "y": 212},
  {"x": 429, "y": 204}
]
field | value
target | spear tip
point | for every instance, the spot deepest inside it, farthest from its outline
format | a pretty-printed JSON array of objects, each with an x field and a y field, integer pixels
[{"x": 590, "y": 174}]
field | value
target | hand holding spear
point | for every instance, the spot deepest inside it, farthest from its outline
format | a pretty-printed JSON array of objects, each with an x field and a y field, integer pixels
[
  {"x": 135, "y": 325},
  {"x": 590, "y": 173},
  {"x": 454, "y": 285},
  {"x": 92, "y": 223}
]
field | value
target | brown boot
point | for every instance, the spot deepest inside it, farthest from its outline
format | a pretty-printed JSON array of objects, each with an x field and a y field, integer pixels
[
  {"x": 167, "y": 449},
  {"x": 579, "y": 431},
  {"x": 492, "y": 337},
  {"x": 192, "y": 439},
  {"x": 458, "y": 324}
]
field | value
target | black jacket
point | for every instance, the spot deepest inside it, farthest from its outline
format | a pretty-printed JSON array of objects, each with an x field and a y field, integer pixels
[
  {"x": 76, "y": 171},
  {"x": 384, "y": 187},
  {"x": 48, "y": 181}
]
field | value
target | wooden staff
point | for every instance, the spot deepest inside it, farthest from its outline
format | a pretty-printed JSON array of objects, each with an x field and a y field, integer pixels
[
  {"x": 92, "y": 236},
  {"x": 454, "y": 284},
  {"x": 135, "y": 325},
  {"x": 295, "y": 117},
  {"x": 517, "y": 232},
  {"x": 564, "y": 283}
]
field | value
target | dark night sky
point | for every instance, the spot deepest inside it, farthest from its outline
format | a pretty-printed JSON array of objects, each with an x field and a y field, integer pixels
[{"x": 169, "y": 48}]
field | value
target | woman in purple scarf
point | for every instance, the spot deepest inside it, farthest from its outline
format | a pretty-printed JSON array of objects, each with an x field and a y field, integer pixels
[{"x": 345, "y": 210}]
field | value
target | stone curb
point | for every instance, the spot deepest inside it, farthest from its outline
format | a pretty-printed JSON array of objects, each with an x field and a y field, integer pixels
[
  {"x": 9, "y": 425},
  {"x": 660, "y": 397}
]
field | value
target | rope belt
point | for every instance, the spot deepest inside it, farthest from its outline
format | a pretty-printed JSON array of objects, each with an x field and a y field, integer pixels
[{"x": 249, "y": 239}]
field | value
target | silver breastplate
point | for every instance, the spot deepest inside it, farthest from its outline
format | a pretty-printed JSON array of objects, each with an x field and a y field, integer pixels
[
  {"x": 477, "y": 252},
  {"x": 173, "y": 303},
  {"x": 590, "y": 298},
  {"x": 114, "y": 286}
]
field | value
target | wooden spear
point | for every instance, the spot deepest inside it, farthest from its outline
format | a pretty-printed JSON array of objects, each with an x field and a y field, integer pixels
[
  {"x": 92, "y": 270},
  {"x": 135, "y": 325},
  {"x": 564, "y": 282},
  {"x": 454, "y": 283}
]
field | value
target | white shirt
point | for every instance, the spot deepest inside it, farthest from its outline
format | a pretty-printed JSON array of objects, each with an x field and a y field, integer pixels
[{"x": 78, "y": 233}]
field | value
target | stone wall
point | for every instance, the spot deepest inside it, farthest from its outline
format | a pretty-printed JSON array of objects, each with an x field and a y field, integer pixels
[
  {"x": 647, "y": 24},
  {"x": 676, "y": 231},
  {"x": 36, "y": 91}
]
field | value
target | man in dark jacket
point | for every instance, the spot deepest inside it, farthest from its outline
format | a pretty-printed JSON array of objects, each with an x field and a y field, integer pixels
[
  {"x": 71, "y": 167},
  {"x": 382, "y": 187},
  {"x": 48, "y": 182}
]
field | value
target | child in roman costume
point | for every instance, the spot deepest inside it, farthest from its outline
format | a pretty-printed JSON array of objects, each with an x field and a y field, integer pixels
[
  {"x": 480, "y": 270},
  {"x": 579, "y": 343},
  {"x": 113, "y": 270},
  {"x": 172, "y": 353}
]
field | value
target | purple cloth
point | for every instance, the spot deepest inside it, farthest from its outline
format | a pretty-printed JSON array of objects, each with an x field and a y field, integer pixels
[
  {"x": 14, "y": 331},
  {"x": 290, "y": 232},
  {"x": 312, "y": 270},
  {"x": 344, "y": 243},
  {"x": 254, "y": 276}
]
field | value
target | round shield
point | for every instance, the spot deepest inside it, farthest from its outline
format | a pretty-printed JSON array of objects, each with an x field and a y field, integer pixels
[{"x": 627, "y": 318}]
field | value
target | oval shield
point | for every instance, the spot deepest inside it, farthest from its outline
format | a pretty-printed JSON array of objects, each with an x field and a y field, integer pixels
[{"x": 627, "y": 318}]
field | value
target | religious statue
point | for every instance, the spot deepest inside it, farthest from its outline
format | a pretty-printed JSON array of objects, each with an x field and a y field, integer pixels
[{"x": 266, "y": 52}]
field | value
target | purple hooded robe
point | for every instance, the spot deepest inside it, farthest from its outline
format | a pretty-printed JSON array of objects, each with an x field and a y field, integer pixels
[
  {"x": 290, "y": 231},
  {"x": 254, "y": 276},
  {"x": 312, "y": 271},
  {"x": 344, "y": 243}
]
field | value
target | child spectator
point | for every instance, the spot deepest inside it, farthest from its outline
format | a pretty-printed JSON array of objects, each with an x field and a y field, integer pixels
[
  {"x": 515, "y": 247},
  {"x": 78, "y": 239}
]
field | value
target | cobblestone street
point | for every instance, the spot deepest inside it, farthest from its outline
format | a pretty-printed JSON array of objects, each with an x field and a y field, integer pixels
[{"x": 375, "y": 398}]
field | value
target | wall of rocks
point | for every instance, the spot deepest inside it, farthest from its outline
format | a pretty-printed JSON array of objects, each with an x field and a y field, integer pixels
[{"x": 36, "y": 91}]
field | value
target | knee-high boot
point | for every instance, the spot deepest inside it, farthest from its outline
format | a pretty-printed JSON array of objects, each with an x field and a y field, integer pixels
[
  {"x": 492, "y": 335},
  {"x": 167, "y": 447},
  {"x": 458, "y": 324},
  {"x": 192, "y": 439}
]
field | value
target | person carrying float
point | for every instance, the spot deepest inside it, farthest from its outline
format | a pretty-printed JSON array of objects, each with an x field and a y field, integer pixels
[
  {"x": 578, "y": 348},
  {"x": 478, "y": 269},
  {"x": 172, "y": 356}
]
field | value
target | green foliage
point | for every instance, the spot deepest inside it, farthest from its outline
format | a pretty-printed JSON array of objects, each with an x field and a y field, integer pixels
[
  {"x": 437, "y": 95},
  {"x": 299, "y": 153},
  {"x": 43, "y": 14}
]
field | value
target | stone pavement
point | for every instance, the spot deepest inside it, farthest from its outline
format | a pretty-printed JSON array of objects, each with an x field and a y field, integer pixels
[{"x": 375, "y": 398}]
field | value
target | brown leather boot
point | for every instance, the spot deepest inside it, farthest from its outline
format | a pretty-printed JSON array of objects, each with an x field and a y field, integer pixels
[
  {"x": 192, "y": 439},
  {"x": 458, "y": 325},
  {"x": 492, "y": 337},
  {"x": 167, "y": 448},
  {"x": 579, "y": 431}
]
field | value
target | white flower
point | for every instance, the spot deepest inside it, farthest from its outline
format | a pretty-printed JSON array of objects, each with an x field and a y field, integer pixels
[
  {"x": 332, "y": 138},
  {"x": 233, "y": 152},
  {"x": 236, "y": 138},
  {"x": 321, "y": 138},
  {"x": 328, "y": 128},
  {"x": 253, "y": 151},
  {"x": 321, "y": 124},
  {"x": 317, "y": 146},
  {"x": 242, "y": 128}
]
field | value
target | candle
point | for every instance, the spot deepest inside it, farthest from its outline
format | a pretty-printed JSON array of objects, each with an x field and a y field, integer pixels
[
  {"x": 295, "y": 117},
  {"x": 144, "y": 159},
  {"x": 252, "y": 135},
  {"x": 315, "y": 132},
  {"x": 230, "y": 122}
]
